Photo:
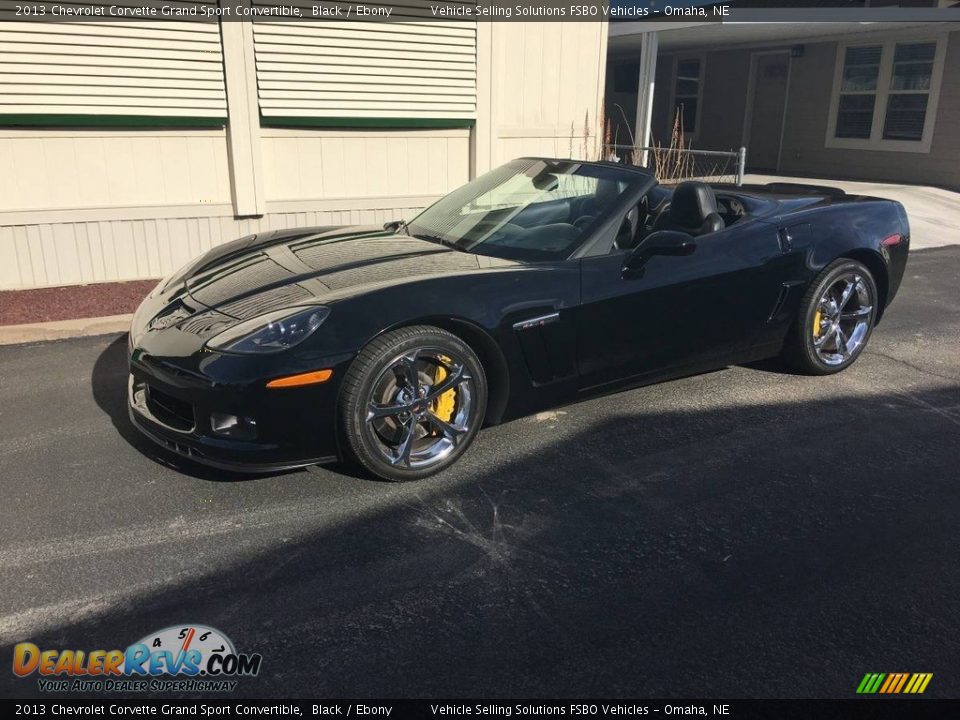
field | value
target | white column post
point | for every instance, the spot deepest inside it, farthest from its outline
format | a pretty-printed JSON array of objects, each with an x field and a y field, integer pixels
[
  {"x": 243, "y": 109},
  {"x": 601, "y": 113},
  {"x": 645, "y": 86},
  {"x": 481, "y": 136}
]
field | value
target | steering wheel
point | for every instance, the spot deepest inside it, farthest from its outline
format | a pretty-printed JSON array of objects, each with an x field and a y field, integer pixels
[
  {"x": 644, "y": 207},
  {"x": 506, "y": 231}
]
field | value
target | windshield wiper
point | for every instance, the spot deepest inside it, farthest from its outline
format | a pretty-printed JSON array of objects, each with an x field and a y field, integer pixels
[{"x": 435, "y": 239}]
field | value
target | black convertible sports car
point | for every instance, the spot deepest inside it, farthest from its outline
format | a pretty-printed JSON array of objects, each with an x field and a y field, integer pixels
[{"x": 536, "y": 284}]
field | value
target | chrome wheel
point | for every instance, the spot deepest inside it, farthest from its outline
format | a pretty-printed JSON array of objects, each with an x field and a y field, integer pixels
[
  {"x": 842, "y": 319},
  {"x": 420, "y": 408}
]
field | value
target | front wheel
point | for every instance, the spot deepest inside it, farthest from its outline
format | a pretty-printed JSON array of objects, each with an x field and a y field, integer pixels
[
  {"x": 835, "y": 320},
  {"x": 412, "y": 402}
]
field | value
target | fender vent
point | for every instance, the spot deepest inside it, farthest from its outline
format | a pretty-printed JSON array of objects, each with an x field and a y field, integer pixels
[
  {"x": 787, "y": 290},
  {"x": 781, "y": 299}
]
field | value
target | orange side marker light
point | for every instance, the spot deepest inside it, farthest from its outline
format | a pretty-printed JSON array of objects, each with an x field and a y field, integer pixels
[{"x": 307, "y": 378}]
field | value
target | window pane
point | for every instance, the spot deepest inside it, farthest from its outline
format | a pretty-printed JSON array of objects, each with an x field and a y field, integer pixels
[
  {"x": 911, "y": 76},
  {"x": 686, "y": 93},
  {"x": 688, "y": 69},
  {"x": 914, "y": 52},
  {"x": 855, "y": 116},
  {"x": 863, "y": 55},
  {"x": 687, "y": 107},
  {"x": 626, "y": 76},
  {"x": 860, "y": 77},
  {"x": 905, "y": 117}
]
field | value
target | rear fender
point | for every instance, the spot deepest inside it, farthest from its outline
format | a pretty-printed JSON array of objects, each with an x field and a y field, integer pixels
[{"x": 856, "y": 231}]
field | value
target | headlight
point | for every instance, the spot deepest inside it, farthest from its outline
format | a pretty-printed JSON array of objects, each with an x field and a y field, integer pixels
[{"x": 272, "y": 332}]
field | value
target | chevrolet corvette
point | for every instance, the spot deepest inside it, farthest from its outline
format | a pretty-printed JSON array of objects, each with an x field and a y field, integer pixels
[{"x": 539, "y": 283}]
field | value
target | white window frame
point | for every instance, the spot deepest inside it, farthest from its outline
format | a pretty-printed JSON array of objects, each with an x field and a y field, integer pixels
[
  {"x": 876, "y": 140},
  {"x": 677, "y": 59}
]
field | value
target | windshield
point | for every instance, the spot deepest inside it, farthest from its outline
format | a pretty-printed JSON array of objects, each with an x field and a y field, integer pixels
[{"x": 528, "y": 209}]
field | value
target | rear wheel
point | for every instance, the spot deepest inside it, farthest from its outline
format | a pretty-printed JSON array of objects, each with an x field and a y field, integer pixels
[
  {"x": 412, "y": 402},
  {"x": 835, "y": 320}
]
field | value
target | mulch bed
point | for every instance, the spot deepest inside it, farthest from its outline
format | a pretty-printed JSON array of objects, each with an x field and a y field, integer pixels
[{"x": 18, "y": 307}]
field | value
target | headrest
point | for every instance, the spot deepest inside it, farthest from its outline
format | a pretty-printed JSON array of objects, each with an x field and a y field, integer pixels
[{"x": 692, "y": 202}]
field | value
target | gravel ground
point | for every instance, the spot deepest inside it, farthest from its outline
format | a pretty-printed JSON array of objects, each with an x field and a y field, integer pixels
[{"x": 19, "y": 307}]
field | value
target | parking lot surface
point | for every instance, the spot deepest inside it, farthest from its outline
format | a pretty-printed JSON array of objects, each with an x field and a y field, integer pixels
[{"x": 746, "y": 532}]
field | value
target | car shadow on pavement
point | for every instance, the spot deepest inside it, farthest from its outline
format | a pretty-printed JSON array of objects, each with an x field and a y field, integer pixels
[
  {"x": 760, "y": 549},
  {"x": 108, "y": 380},
  {"x": 775, "y": 366}
]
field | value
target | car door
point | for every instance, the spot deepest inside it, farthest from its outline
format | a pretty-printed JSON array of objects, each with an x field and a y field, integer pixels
[{"x": 679, "y": 310}]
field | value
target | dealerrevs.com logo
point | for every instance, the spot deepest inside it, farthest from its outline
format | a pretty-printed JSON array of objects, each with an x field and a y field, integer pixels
[{"x": 181, "y": 658}]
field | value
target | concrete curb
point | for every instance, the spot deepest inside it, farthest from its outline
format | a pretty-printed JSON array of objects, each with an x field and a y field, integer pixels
[{"x": 61, "y": 329}]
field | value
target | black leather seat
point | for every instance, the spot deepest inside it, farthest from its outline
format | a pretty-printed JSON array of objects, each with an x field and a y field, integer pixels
[{"x": 693, "y": 210}]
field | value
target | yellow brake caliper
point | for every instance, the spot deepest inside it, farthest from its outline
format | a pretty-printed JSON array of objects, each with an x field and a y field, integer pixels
[
  {"x": 444, "y": 405},
  {"x": 816, "y": 323}
]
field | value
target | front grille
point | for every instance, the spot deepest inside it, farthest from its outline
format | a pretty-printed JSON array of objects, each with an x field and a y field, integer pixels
[{"x": 169, "y": 410}]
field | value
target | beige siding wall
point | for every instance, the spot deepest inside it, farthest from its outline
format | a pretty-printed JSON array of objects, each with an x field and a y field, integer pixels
[
  {"x": 68, "y": 253},
  {"x": 803, "y": 150},
  {"x": 121, "y": 205},
  {"x": 548, "y": 89},
  {"x": 329, "y": 164},
  {"x": 70, "y": 170},
  {"x": 82, "y": 205}
]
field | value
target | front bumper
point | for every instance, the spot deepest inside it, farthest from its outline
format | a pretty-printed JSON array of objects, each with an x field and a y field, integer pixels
[{"x": 288, "y": 428}]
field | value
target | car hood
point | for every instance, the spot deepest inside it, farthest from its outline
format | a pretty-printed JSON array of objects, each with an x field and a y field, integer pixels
[{"x": 261, "y": 273}]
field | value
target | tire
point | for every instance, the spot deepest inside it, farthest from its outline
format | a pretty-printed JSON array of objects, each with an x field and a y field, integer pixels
[
  {"x": 817, "y": 344},
  {"x": 412, "y": 403}
]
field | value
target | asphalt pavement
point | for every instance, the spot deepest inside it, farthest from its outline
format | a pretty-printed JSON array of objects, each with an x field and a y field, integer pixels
[{"x": 742, "y": 533}]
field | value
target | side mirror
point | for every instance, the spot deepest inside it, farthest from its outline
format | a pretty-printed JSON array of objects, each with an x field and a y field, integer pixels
[
  {"x": 394, "y": 225},
  {"x": 662, "y": 242}
]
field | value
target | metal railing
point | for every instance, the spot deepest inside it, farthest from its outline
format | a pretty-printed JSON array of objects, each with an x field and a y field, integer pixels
[{"x": 673, "y": 165}]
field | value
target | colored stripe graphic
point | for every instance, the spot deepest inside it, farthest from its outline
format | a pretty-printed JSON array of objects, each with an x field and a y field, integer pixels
[
  {"x": 894, "y": 683},
  {"x": 903, "y": 681}
]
